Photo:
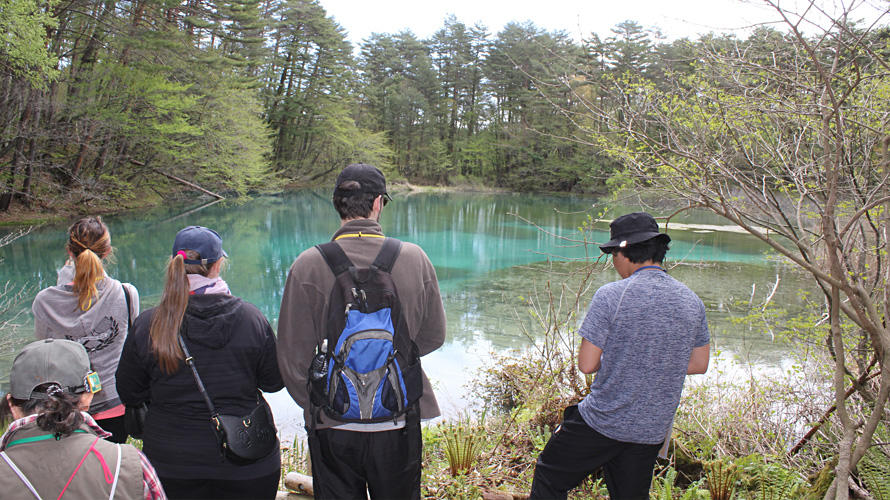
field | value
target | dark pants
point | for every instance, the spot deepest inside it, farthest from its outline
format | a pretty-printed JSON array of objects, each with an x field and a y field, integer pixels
[
  {"x": 576, "y": 450},
  {"x": 347, "y": 465},
  {"x": 260, "y": 488},
  {"x": 114, "y": 425}
]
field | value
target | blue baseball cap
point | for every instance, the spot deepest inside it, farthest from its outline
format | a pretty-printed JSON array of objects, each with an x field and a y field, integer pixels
[{"x": 206, "y": 242}]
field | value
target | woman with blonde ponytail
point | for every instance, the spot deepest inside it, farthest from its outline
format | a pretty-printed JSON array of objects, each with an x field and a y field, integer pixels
[
  {"x": 234, "y": 351},
  {"x": 89, "y": 307}
]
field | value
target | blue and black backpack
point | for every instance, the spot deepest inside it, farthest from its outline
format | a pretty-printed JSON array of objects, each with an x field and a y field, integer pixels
[{"x": 370, "y": 370}]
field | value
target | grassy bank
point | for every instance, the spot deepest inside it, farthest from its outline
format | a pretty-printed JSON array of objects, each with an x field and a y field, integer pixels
[{"x": 731, "y": 440}]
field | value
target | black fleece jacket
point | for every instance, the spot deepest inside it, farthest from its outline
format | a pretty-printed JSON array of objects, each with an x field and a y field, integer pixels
[{"x": 235, "y": 354}]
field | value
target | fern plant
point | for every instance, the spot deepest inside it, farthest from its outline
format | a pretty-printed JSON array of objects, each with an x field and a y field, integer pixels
[
  {"x": 663, "y": 487},
  {"x": 721, "y": 477},
  {"x": 775, "y": 486},
  {"x": 462, "y": 448},
  {"x": 876, "y": 479},
  {"x": 874, "y": 470}
]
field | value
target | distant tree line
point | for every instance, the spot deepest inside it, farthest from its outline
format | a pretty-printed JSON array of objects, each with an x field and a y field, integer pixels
[{"x": 107, "y": 99}]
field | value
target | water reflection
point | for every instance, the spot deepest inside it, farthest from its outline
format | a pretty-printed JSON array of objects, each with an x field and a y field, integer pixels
[{"x": 486, "y": 259}]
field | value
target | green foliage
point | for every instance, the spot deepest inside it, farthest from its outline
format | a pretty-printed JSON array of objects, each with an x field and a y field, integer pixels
[
  {"x": 722, "y": 477},
  {"x": 874, "y": 469},
  {"x": 24, "y": 25},
  {"x": 462, "y": 489},
  {"x": 664, "y": 488},
  {"x": 768, "y": 478},
  {"x": 462, "y": 446},
  {"x": 234, "y": 142}
]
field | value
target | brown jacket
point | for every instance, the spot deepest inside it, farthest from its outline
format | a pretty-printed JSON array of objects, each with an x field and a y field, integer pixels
[
  {"x": 48, "y": 464},
  {"x": 304, "y": 307}
]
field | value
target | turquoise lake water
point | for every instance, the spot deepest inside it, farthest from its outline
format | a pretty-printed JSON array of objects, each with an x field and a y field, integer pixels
[{"x": 486, "y": 252}]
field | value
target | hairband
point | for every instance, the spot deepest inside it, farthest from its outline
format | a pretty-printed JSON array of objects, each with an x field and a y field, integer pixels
[
  {"x": 54, "y": 391},
  {"x": 79, "y": 243},
  {"x": 100, "y": 240},
  {"x": 183, "y": 254}
]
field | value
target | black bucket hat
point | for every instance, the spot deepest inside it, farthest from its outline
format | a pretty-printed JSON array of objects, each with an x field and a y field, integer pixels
[{"x": 632, "y": 228}]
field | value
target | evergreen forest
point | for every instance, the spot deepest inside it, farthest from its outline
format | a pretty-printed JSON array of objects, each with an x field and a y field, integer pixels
[{"x": 110, "y": 100}]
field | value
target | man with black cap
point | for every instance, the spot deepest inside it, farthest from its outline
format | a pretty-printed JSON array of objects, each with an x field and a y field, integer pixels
[
  {"x": 350, "y": 460},
  {"x": 642, "y": 335}
]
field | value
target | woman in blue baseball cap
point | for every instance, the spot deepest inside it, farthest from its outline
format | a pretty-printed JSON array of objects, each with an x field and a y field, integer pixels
[{"x": 200, "y": 331}]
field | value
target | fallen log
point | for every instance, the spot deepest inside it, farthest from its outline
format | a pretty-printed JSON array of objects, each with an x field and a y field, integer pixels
[
  {"x": 300, "y": 483},
  {"x": 189, "y": 184}
]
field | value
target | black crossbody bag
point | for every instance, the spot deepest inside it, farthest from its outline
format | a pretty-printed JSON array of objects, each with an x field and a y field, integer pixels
[{"x": 241, "y": 439}]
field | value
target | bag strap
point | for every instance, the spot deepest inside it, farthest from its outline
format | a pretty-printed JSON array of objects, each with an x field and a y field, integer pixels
[
  {"x": 20, "y": 474},
  {"x": 189, "y": 360},
  {"x": 117, "y": 472},
  {"x": 127, "y": 298},
  {"x": 335, "y": 257}
]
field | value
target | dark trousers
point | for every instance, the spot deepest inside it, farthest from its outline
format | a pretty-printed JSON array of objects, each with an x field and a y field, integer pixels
[
  {"x": 576, "y": 450},
  {"x": 347, "y": 465},
  {"x": 260, "y": 488}
]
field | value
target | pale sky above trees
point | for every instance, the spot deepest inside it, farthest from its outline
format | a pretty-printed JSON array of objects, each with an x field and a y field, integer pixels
[{"x": 675, "y": 18}]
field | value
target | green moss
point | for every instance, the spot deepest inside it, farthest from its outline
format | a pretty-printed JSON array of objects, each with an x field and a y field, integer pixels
[{"x": 821, "y": 481}]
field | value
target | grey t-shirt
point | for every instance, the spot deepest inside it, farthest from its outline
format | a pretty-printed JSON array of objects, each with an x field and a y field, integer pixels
[
  {"x": 647, "y": 326},
  {"x": 101, "y": 329}
]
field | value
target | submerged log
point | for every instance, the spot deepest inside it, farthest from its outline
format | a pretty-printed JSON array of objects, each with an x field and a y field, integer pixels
[{"x": 301, "y": 483}]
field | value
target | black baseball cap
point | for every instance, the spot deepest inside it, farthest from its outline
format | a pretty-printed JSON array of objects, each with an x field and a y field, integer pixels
[
  {"x": 369, "y": 178},
  {"x": 632, "y": 228}
]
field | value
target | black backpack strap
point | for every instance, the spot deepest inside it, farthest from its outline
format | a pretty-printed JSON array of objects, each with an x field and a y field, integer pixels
[
  {"x": 335, "y": 257},
  {"x": 388, "y": 254}
]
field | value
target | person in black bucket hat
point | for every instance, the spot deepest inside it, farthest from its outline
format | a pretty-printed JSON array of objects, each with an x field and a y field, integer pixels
[
  {"x": 642, "y": 335},
  {"x": 53, "y": 448},
  {"x": 633, "y": 228}
]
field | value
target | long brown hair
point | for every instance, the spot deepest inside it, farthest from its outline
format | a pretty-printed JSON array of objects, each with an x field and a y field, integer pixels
[
  {"x": 167, "y": 317},
  {"x": 89, "y": 242}
]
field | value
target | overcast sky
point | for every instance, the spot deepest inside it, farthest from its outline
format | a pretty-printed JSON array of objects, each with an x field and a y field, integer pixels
[{"x": 676, "y": 18}]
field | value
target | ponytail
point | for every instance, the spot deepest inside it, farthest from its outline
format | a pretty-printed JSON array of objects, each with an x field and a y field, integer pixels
[
  {"x": 60, "y": 414},
  {"x": 89, "y": 242},
  {"x": 88, "y": 270},
  {"x": 168, "y": 315}
]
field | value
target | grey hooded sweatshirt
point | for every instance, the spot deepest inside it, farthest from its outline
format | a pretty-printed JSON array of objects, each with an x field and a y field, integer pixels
[{"x": 101, "y": 329}]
